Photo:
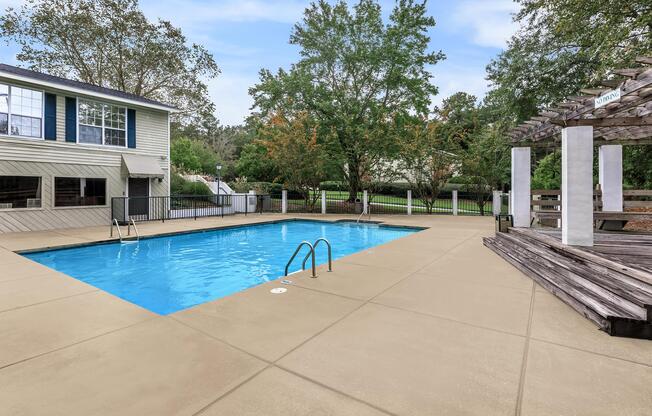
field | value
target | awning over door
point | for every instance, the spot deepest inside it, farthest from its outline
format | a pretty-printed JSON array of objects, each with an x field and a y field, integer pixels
[{"x": 137, "y": 166}]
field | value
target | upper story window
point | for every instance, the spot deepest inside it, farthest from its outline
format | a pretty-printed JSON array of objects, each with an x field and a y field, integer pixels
[
  {"x": 21, "y": 111},
  {"x": 104, "y": 124}
]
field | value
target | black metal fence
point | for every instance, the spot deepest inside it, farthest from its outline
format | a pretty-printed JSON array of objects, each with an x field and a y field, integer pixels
[{"x": 161, "y": 208}]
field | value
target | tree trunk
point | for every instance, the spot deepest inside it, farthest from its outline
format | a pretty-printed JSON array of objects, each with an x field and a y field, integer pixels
[{"x": 354, "y": 181}]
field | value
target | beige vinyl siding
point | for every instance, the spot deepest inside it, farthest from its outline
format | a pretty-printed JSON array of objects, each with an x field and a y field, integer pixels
[
  {"x": 47, "y": 217},
  {"x": 151, "y": 132}
]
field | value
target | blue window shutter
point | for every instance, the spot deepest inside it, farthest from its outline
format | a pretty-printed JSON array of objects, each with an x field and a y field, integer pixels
[
  {"x": 50, "y": 119},
  {"x": 71, "y": 119},
  {"x": 131, "y": 128}
]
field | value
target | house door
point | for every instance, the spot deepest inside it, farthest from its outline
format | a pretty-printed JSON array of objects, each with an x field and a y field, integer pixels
[{"x": 138, "y": 198}]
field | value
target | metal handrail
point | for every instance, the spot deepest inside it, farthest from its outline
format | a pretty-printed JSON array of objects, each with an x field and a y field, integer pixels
[
  {"x": 115, "y": 223},
  {"x": 314, "y": 246},
  {"x": 133, "y": 223},
  {"x": 312, "y": 251},
  {"x": 362, "y": 213}
]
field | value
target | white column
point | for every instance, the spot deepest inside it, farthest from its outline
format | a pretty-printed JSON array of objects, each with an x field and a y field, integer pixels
[
  {"x": 365, "y": 202},
  {"x": 509, "y": 203},
  {"x": 409, "y": 202},
  {"x": 497, "y": 202},
  {"x": 521, "y": 186},
  {"x": 611, "y": 177},
  {"x": 323, "y": 202},
  {"x": 284, "y": 201},
  {"x": 577, "y": 186},
  {"x": 454, "y": 201}
]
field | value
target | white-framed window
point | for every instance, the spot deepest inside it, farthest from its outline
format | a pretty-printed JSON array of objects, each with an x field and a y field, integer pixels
[
  {"x": 21, "y": 111},
  {"x": 102, "y": 124}
]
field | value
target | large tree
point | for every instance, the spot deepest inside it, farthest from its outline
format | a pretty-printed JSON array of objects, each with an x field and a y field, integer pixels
[
  {"x": 356, "y": 73},
  {"x": 111, "y": 43}
]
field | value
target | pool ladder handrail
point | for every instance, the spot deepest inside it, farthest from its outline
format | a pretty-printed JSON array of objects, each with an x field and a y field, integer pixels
[
  {"x": 363, "y": 213},
  {"x": 115, "y": 223},
  {"x": 311, "y": 253},
  {"x": 314, "y": 246},
  {"x": 130, "y": 224}
]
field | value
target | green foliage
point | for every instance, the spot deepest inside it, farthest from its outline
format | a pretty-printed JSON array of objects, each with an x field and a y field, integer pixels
[
  {"x": 460, "y": 118},
  {"x": 294, "y": 147},
  {"x": 425, "y": 160},
  {"x": 191, "y": 156},
  {"x": 485, "y": 163},
  {"x": 180, "y": 186},
  {"x": 356, "y": 73},
  {"x": 564, "y": 46},
  {"x": 637, "y": 166},
  {"x": 547, "y": 174},
  {"x": 254, "y": 163},
  {"x": 111, "y": 43}
]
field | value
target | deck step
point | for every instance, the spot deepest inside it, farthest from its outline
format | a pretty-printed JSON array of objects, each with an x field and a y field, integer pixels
[{"x": 616, "y": 300}]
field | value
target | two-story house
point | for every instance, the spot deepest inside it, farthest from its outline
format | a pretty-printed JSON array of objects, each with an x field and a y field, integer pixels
[{"x": 67, "y": 148}]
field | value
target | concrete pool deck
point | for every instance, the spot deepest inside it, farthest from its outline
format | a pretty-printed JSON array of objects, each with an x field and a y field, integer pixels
[{"x": 433, "y": 323}]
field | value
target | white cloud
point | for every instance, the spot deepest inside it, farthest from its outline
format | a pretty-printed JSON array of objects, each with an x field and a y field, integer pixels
[
  {"x": 230, "y": 94},
  {"x": 454, "y": 78},
  {"x": 186, "y": 13},
  {"x": 489, "y": 22}
]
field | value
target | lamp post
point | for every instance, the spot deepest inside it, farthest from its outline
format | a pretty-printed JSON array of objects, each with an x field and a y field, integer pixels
[{"x": 218, "y": 168}]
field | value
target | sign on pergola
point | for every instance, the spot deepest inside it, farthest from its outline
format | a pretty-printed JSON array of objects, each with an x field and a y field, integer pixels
[{"x": 620, "y": 112}]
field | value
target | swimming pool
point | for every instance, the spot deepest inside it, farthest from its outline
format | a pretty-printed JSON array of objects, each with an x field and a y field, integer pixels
[{"x": 170, "y": 273}]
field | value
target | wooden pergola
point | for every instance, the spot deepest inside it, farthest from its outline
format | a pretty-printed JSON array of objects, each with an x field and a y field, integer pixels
[
  {"x": 626, "y": 120},
  {"x": 617, "y": 113}
]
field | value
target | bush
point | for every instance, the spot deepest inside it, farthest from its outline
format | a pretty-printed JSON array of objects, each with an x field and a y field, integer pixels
[
  {"x": 334, "y": 186},
  {"x": 180, "y": 186}
]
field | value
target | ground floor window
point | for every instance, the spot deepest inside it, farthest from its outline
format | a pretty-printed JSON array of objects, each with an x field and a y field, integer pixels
[
  {"x": 20, "y": 192},
  {"x": 79, "y": 192}
]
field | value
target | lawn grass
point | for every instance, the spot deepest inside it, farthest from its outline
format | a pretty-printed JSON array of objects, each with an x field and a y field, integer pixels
[{"x": 387, "y": 204}]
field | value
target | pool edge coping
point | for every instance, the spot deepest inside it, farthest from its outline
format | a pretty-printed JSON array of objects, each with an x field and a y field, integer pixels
[{"x": 201, "y": 230}]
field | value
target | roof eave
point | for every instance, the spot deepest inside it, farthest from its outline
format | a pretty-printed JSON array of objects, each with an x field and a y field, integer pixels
[{"x": 83, "y": 91}]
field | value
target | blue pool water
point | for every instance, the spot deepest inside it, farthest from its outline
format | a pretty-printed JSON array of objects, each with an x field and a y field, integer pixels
[{"x": 171, "y": 273}]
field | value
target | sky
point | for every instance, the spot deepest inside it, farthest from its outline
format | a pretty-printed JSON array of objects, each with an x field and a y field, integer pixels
[{"x": 247, "y": 35}]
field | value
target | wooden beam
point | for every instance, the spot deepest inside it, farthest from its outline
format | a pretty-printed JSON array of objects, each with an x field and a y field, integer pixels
[
  {"x": 629, "y": 72},
  {"x": 647, "y": 60},
  {"x": 611, "y": 83},
  {"x": 593, "y": 91},
  {"x": 605, "y": 122}
]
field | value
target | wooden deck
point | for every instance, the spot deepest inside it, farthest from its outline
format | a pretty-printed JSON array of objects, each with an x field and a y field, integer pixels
[
  {"x": 609, "y": 283},
  {"x": 632, "y": 250}
]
